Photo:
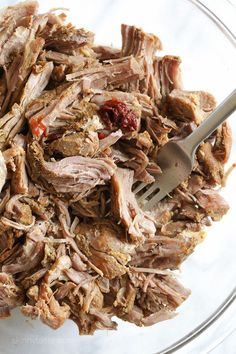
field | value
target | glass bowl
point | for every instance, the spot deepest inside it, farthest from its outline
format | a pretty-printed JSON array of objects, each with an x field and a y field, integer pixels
[{"x": 208, "y": 53}]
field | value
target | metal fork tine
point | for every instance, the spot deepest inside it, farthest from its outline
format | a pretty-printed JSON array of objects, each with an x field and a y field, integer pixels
[
  {"x": 154, "y": 200},
  {"x": 150, "y": 190},
  {"x": 139, "y": 187}
]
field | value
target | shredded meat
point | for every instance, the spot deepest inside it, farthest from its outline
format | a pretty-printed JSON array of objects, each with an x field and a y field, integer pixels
[
  {"x": 107, "y": 251},
  {"x": 125, "y": 207},
  {"x": 210, "y": 165},
  {"x": 142, "y": 46},
  {"x": 223, "y": 143},
  {"x": 190, "y": 105},
  {"x": 13, "y": 121},
  {"x": 11, "y": 295},
  {"x": 80, "y": 125},
  {"x": 75, "y": 174},
  {"x": 46, "y": 307},
  {"x": 106, "y": 53},
  {"x": 82, "y": 143},
  {"x": 168, "y": 74},
  {"x": 213, "y": 203}
]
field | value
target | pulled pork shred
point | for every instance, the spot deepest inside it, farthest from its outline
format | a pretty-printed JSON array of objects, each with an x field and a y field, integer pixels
[{"x": 80, "y": 125}]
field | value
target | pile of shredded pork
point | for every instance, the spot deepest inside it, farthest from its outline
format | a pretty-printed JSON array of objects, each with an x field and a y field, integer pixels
[{"x": 80, "y": 126}]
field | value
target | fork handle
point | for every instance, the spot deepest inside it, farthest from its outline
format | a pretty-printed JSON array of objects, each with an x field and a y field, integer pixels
[{"x": 218, "y": 116}]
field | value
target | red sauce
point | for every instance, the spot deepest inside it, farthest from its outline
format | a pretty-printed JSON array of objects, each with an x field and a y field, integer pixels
[
  {"x": 37, "y": 126},
  {"x": 101, "y": 135},
  {"x": 116, "y": 114}
]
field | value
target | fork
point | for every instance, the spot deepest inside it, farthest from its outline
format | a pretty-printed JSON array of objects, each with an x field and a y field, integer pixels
[{"x": 176, "y": 158}]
